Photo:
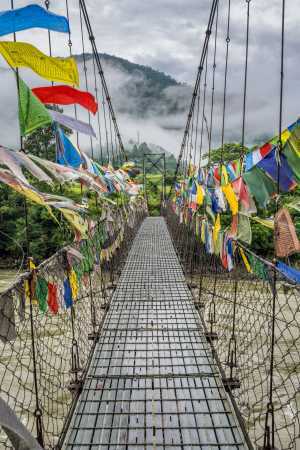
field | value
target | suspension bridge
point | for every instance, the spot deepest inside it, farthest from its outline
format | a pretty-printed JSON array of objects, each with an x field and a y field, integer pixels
[{"x": 139, "y": 332}]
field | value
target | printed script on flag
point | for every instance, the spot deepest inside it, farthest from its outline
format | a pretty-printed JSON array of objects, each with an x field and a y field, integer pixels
[{"x": 21, "y": 54}]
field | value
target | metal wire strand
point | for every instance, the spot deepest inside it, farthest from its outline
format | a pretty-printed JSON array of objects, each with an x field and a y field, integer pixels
[{"x": 225, "y": 79}]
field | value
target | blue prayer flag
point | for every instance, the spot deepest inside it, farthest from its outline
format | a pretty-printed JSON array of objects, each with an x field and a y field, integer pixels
[
  {"x": 66, "y": 153},
  {"x": 68, "y": 293},
  {"x": 289, "y": 272},
  {"x": 270, "y": 166},
  {"x": 31, "y": 16}
]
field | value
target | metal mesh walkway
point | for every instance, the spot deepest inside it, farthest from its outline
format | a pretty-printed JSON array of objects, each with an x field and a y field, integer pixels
[{"x": 152, "y": 382}]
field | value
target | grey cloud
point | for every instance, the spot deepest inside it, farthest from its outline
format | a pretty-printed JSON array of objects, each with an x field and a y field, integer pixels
[{"x": 168, "y": 35}]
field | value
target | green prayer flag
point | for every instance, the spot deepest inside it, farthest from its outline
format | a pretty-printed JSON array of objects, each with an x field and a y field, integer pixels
[
  {"x": 89, "y": 259},
  {"x": 32, "y": 113},
  {"x": 244, "y": 232},
  {"x": 293, "y": 159},
  {"x": 210, "y": 212},
  {"x": 258, "y": 267},
  {"x": 41, "y": 293},
  {"x": 260, "y": 185}
]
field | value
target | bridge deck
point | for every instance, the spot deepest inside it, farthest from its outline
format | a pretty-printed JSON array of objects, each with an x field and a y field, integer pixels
[{"x": 153, "y": 383}]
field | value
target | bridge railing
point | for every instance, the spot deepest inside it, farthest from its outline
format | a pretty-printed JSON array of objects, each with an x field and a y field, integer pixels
[
  {"x": 236, "y": 309},
  {"x": 49, "y": 322}
]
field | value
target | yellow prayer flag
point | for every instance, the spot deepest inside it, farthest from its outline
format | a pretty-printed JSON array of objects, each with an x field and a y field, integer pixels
[
  {"x": 32, "y": 195},
  {"x": 200, "y": 195},
  {"x": 191, "y": 170},
  {"x": 224, "y": 175},
  {"x": 231, "y": 198},
  {"x": 285, "y": 136},
  {"x": 269, "y": 223},
  {"x": 217, "y": 229},
  {"x": 246, "y": 262},
  {"x": 76, "y": 221},
  {"x": 74, "y": 284},
  {"x": 27, "y": 292},
  {"x": 21, "y": 54},
  {"x": 32, "y": 266}
]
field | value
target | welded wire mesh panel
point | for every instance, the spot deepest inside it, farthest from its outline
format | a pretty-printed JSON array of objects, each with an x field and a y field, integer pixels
[
  {"x": 237, "y": 311},
  {"x": 153, "y": 381}
]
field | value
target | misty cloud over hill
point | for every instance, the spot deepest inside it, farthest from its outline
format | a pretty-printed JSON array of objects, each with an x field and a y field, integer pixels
[
  {"x": 150, "y": 105},
  {"x": 146, "y": 101}
]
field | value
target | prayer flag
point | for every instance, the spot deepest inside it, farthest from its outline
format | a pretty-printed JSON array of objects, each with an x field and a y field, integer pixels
[
  {"x": 245, "y": 260},
  {"x": 31, "y": 16},
  {"x": 260, "y": 186},
  {"x": 289, "y": 272},
  {"x": 66, "y": 95},
  {"x": 52, "y": 298},
  {"x": 72, "y": 123},
  {"x": 282, "y": 169},
  {"x": 68, "y": 293},
  {"x": 293, "y": 159},
  {"x": 66, "y": 153},
  {"x": 21, "y": 54},
  {"x": 217, "y": 229},
  {"x": 74, "y": 284},
  {"x": 41, "y": 293},
  {"x": 256, "y": 156},
  {"x": 32, "y": 113},
  {"x": 231, "y": 198}
]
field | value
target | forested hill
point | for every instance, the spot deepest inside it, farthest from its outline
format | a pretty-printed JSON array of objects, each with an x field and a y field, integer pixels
[{"x": 141, "y": 91}]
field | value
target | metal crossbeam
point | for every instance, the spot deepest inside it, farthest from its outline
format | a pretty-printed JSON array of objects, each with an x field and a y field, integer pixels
[{"x": 152, "y": 381}]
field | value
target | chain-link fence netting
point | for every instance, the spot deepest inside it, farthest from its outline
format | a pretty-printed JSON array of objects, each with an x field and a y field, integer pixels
[
  {"x": 50, "y": 320},
  {"x": 253, "y": 323}
]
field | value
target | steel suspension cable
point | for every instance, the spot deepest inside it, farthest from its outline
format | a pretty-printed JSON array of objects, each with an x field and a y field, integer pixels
[
  {"x": 111, "y": 140},
  {"x": 101, "y": 73},
  {"x": 213, "y": 85},
  {"x": 203, "y": 111},
  {"x": 246, "y": 74},
  {"x": 196, "y": 87},
  {"x": 85, "y": 74},
  {"x": 197, "y": 123},
  {"x": 98, "y": 112},
  {"x": 70, "y": 51},
  {"x": 105, "y": 125},
  {"x": 225, "y": 79},
  {"x": 191, "y": 141}
]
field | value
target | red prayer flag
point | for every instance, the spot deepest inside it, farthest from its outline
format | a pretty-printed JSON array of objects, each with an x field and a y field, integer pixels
[
  {"x": 66, "y": 95},
  {"x": 265, "y": 149},
  {"x": 241, "y": 190},
  {"x": 52, "y": 298}
]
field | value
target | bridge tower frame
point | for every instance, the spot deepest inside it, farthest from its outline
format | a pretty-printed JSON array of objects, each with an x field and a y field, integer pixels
[{"x": 154, "y": 159}]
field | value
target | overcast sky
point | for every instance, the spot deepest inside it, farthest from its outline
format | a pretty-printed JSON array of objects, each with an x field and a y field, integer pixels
[{"x": 168, "y": 35}]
